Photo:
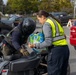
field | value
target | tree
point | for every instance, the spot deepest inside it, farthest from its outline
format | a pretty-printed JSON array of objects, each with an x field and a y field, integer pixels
[
  {"x": 65, "y": 5},
  {"x": 34, "y": 5},
  {"x": 18, "y": 5},
  {"x": 31, "y": 6},
  {"x": 56, "y": 5},
  {"x": 44, "y": 5},
  {"x": 23, "y": 5}
]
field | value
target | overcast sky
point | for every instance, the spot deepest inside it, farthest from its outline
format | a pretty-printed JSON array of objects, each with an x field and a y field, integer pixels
[{"x": 5, "y": 1}]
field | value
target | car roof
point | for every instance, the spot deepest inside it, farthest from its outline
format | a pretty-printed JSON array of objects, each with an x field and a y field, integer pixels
[{"x": 58, "y": 13}]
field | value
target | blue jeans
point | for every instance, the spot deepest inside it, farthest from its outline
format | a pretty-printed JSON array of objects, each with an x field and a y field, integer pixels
[{"x": 58, "y": 60}]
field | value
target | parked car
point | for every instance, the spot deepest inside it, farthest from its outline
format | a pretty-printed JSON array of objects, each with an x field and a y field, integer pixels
[
  {"x": 63, "y": 17},
  {"x": 73, "y": 34},
  {"x": 14, "y": 20},
  {"x": 8, "y": 24}
]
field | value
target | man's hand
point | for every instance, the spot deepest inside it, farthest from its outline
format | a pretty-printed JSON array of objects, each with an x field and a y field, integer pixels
[
  {"x": 24, "y": 52},
  {"x": 31, "y": 45}
]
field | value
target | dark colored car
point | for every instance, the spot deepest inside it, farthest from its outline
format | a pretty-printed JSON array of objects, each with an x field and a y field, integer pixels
[
  {"x": 14, "y": 20},
  {"x": 63, "y": 17},
  {"x": 8, "y": 24}
]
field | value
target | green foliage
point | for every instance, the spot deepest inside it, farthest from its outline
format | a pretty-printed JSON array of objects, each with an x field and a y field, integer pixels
[
  {"x": 65, "y": 5},
  {"x": 23, "y": 5},
  {"x": 56, "y": 5},
  {"x": 18, "y": 5},
  {"x": 30, "y": 6}
]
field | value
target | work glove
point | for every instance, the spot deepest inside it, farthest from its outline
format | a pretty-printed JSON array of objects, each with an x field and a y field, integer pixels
[{"x": 24, "y": 52}]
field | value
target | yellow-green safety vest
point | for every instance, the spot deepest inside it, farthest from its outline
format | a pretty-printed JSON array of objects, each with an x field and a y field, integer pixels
[{"x": 57, "y": 33}]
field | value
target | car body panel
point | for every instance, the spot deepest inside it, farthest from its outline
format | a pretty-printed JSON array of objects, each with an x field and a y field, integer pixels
[
  {"x": 11, "y": 20},
  {"x": 73, "y": 34},
  {"x": 7, "y": 24}
]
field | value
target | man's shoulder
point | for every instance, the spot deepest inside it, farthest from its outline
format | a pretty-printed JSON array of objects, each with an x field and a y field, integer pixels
[
  {"x": 16, "y": 31},
  {"x": 46, "y": 25}
]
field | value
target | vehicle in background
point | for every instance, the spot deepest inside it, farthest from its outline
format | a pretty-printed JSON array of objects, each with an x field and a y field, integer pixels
[
  {"x": 8, "y": 24},
  {"x": 63, "y": 17},
  {"x": 73, "y": 33},
  {"x": 12, "y": 21}
]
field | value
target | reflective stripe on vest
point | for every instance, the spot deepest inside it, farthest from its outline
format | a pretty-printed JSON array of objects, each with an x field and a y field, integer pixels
[{"x": 58, "y": 32}]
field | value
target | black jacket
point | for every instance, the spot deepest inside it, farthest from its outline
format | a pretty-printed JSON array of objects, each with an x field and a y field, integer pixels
[{"x": 19, "y": 38}]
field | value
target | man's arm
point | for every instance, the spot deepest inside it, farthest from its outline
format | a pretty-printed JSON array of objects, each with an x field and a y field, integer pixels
[
  {"x": 48, "y": 37},
  {"x": 16, "y": 40}
]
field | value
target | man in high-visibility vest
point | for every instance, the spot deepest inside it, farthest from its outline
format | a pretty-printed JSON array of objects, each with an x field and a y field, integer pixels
[{"x": 58, "y": 51}]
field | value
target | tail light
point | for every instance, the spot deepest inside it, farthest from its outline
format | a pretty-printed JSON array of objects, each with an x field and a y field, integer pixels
[
  {"x": 73, "y": 33},
  {"x": 73, "y": 30},
  {"x": 4, "y": 70}
]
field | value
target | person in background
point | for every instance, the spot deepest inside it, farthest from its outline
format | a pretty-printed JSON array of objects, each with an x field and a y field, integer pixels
[
  {"x": 13, "y": 42},
  {"x": 58, "y": 51},
  {"x": 70, "y": 23}
]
